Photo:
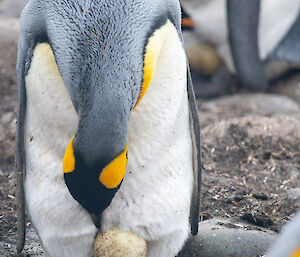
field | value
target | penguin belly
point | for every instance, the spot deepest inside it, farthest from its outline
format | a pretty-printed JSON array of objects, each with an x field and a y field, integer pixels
[
  {"x": 154, "y": 198},
  {"x": 64, "y": 227}
]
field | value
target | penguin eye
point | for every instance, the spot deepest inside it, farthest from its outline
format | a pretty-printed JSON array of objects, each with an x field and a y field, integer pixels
[
  {"x": 112, "y": 175},
  {"x": 69, "y": 159}
]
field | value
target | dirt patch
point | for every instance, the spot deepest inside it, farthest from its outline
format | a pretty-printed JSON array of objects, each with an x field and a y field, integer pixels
[
  {"x": 287, "y": 86},
  {"x": 8, "y": 100},
  {"x": 250, "y": 164}
]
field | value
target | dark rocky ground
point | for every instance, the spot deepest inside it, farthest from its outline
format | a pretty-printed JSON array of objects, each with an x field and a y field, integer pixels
[
  {"x": 250, "y": 144},
  {"x": 251, "y": 154}
]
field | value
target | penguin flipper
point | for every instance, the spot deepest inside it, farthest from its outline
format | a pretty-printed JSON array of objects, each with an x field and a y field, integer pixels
[
  {"x": 197, "y": 166},
  {"x": 20, "y": 154},
  {"x": 24, "y": 58},
  {"x": 243, "y": 23}
]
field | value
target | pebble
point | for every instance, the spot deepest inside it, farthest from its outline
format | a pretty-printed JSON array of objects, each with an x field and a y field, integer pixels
[
  {"x": 246, "y": 105},
  {"x": 254, "y": 103},
  {"x": 255, "y": 204},
  {"x": 295, "y": 173},
  {"x": 224, "y": 237},
  {"x": 211, "y": 191},
  {"x": 2, "y": 134},
  {"x": 294, "y": 193},
  {"x": 261, "y": 196},
  {"x": 6, "y": 117}
]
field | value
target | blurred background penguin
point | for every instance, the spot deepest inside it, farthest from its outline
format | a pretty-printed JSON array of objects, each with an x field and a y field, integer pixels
[{"x": 256, "y": 40}]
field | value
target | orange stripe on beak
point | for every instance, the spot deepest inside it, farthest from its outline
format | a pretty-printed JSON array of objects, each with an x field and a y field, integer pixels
[{"x": 188, "y": 23}]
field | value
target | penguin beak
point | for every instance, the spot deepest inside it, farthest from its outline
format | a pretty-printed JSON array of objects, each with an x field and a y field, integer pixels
[
  {"x": 107, "y": 159},
  {"x": 93, "y": 185},
  {"x": 186, "y": 23},
  {"x": 113, "y": 173},
  {"x": 95, "y": 160},
  {"x": 110, "y": 176}
]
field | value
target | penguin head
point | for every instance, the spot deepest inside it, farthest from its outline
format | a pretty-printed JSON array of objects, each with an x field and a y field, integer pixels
[
  {"x": 104, "y": 86},
  {"x": 187, "y": 23},
  {"x": 106, "y": 55}
]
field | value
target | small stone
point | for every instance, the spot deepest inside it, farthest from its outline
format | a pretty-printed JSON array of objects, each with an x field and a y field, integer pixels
[
  {"x": 255, "y": 204},
  {"x": 225, "y": 237},
  {"x": 6, "y": 117},
  {"x": 210, "y": 191},
  {"x": 2, "y": 133},
  {"x": 257, "y": 218},
  {"x": 227, "y": 200},
  {"x": 261, "y": 196},
  {"x": 238, "y": 198},
  {"x": 295, "y": 174},
  {"x": 294, "y": 193}
]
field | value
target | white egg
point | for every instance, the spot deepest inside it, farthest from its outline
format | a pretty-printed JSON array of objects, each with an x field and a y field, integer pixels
[{"x": 117, "y": 243}]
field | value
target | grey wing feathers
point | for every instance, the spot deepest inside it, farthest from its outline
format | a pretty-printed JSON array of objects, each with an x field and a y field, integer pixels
[
  {"x": 20, "y": 160},
  {"x": 197, "y": 166},
  {"x": 31, "y": 30},
  {"x": 23, "y": 53}
]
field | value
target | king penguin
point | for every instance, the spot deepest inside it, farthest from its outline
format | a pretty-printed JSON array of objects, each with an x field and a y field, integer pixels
[
  {"x": 264, "y": 38},
  {"x": 258, "y": 40},
  {"x": 108, "y": 130}
]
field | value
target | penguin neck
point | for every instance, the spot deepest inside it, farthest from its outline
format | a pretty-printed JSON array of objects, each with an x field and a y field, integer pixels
[{"x": 162, "y": 114}]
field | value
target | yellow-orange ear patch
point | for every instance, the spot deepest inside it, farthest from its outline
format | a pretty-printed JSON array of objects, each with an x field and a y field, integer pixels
[
  {"x": 152, "y": 52},
  {"x": 112, "y": 175},
  {"x": 69, "y": 159}
]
